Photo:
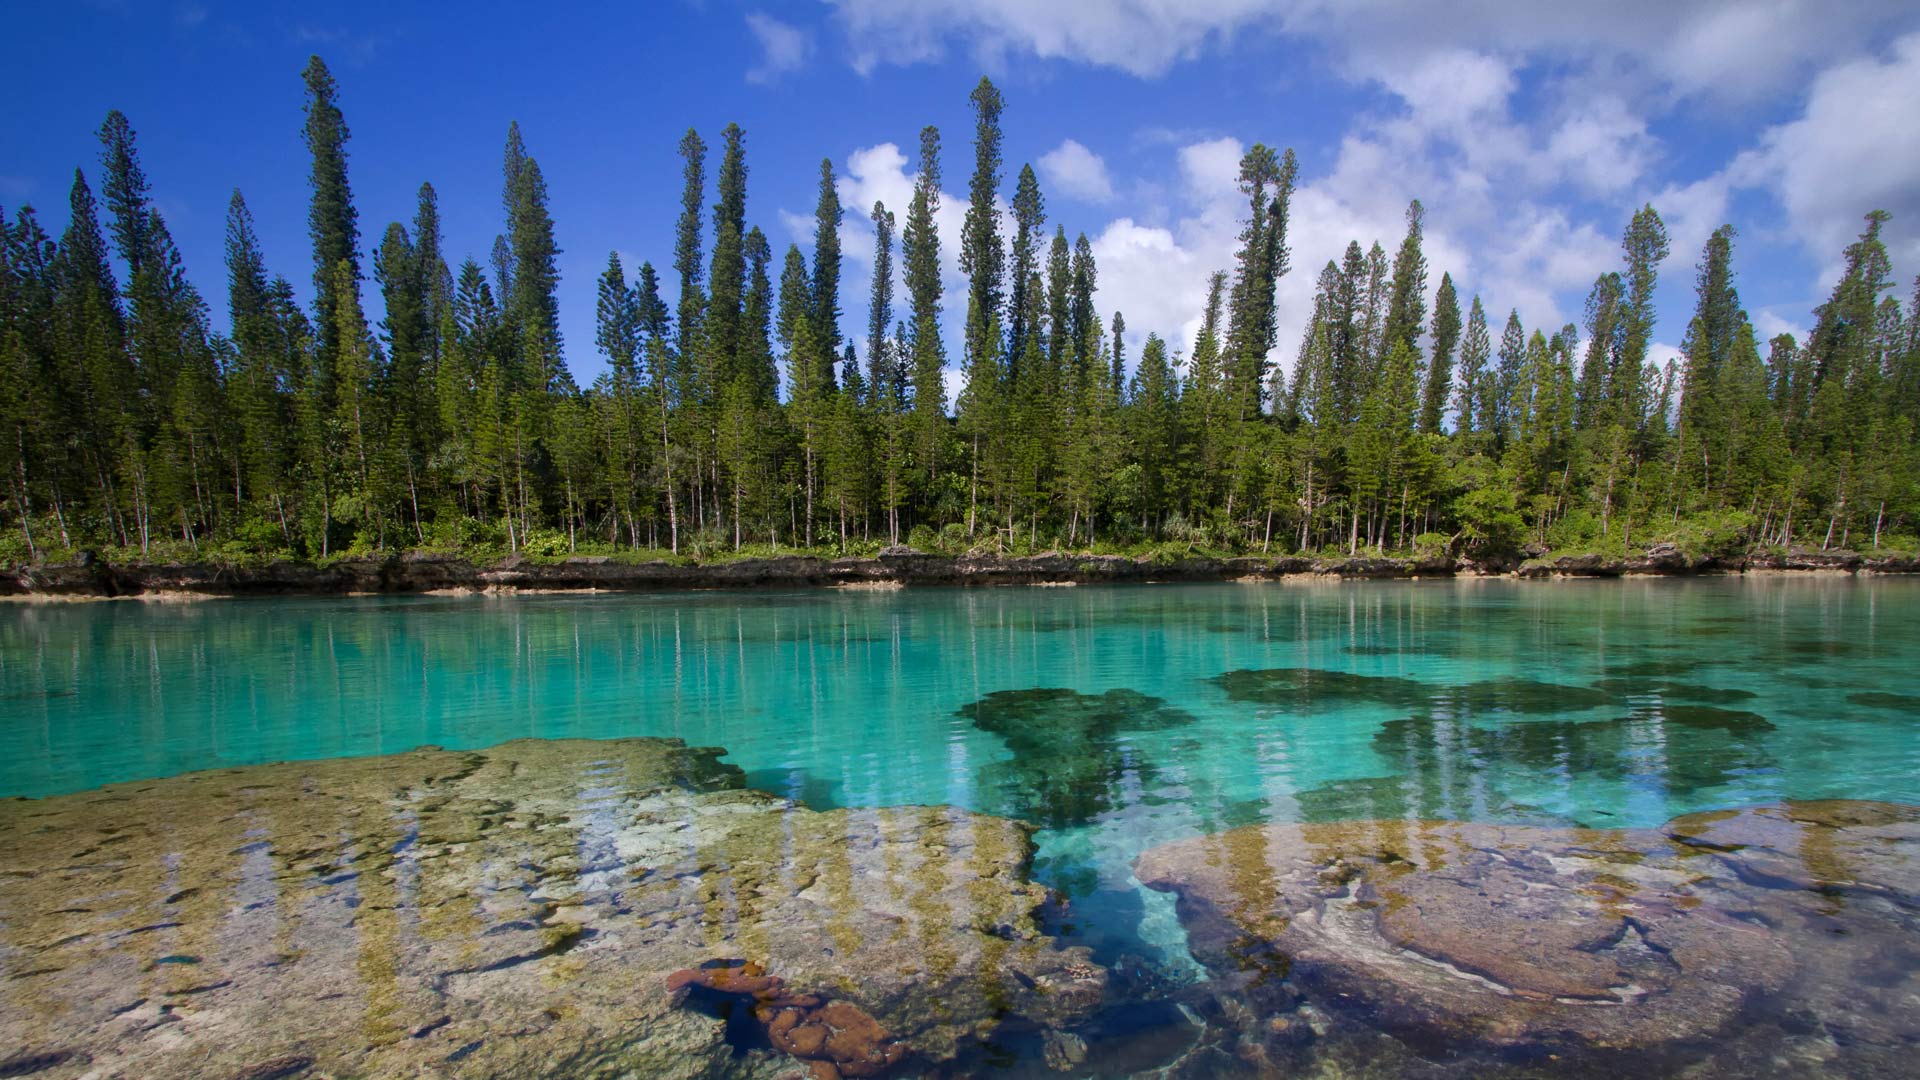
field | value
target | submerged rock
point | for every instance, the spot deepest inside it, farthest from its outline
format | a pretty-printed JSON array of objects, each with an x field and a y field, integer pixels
[
  {"x": 512, "y": 912},
  {"x": 1070, "y": 749},
  {"x": 1460, "y": 938},
  {"x": 834, "y": 1038},
  {"x": 1880, "y": 699},
  {"x": 1304, "y": 689}
]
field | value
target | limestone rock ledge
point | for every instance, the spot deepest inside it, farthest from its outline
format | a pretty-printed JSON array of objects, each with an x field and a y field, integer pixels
[
  {"x": 513, "y": 912},
  {"x": 1463, "y": 938}
]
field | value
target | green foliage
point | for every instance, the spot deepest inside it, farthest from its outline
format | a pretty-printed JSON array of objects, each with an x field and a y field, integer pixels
[
  {"x": 1490, "y": 521},
  {"x": 738, "y": 419},
  {"x": 1712, "y": 534}
]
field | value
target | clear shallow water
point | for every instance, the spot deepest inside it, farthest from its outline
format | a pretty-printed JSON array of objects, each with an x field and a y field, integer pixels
[{"x": 1596, "y": 703}]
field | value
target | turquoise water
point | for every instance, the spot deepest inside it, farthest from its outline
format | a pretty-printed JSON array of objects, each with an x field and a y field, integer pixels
[{"x": 1168, "y": 710}]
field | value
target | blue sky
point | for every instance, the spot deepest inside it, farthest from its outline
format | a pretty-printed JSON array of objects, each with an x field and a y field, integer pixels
[{"x": 1529, "y": 133}]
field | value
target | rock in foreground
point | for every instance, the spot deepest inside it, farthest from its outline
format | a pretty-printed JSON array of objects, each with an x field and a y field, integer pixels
[
  {"x": 1459, "y": 938},
  {"x": 513, "y": 912}
]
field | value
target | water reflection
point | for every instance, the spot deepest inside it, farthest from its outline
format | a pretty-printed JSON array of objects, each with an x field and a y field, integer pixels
[{"x": 515, "y": 911}]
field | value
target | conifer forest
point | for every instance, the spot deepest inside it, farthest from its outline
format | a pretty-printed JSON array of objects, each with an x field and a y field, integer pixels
[{"x": 747, "y": 406}]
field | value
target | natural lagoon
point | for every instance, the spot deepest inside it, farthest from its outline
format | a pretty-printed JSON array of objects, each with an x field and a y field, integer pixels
[{"x": 1264, "y": 816}]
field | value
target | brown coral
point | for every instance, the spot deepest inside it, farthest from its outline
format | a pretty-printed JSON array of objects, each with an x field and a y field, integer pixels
[{"x": 838, "y": 1040}]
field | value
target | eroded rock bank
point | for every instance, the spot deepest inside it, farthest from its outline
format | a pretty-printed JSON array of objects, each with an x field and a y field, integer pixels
[
  {"x": 537, "y": 909},
  {"x": 1782, "y": 940},
  {"x": 419, "y": 572}
]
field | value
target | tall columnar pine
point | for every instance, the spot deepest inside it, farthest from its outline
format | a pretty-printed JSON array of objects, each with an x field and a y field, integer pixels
[
  {"x": 1407, "y": 293},
  {"x": 1267, "y": 182},
  {"x": 1506, "y": 404},
  {"x": 826, "y": 266},
  {"x": 738, "y": 415},
  {"x": 332, "y": 222},
  {"x": 920, "y": 258},
  {"x": 1029, "y": 216},
  {"x": 883, "y": 383},
  {"x": 1437, "y": 387},
  {"x": 688, "y": 262},
  {"x": 1473, "y": 394},
  {"x": 982, "y": 252}
]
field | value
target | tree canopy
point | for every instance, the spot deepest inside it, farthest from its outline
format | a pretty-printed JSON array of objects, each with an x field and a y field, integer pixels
[{"x": 739, "y": 414}]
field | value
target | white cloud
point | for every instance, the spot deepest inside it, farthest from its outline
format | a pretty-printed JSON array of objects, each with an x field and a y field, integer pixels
[
  {"x": 784, "y": 48},
  {"x": 1525, "y": 204},
  {"x": 1733, "y": 50},
  {"x": 1140, "y": 36},
  {"x": 1854, "y": 148},
  {"x": 1603, "y": 148},
  {"x": 1767, "y": 325},
  {"x": 1076, "y": 172}
]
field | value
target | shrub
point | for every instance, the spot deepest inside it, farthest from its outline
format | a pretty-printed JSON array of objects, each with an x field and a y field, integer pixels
[
  {"x": 1490, "y": 520},
  {"x": 1713, "y": 533},
  {"x": 953, "y": 538}
]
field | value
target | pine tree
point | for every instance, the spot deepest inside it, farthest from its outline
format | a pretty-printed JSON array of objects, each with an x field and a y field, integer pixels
[
  {"x": 808, "y": 398},
  {"x": 1267, "y": 182},
  {"x": 1604, "y": 326},
  {"x": 826, "y": 266},
  {"x": 664, "y": 385},
  {"x": 920, "y": 256},
  {"x": 1708, "y": 347},
  {"x": 687, "y": 261},
  {"x": 718, "y": 361},
  {"x": 357, "y": 376},
  {"x": 1473, "y": 398},
  {"x": 617, "y": 334},
  {"x": 1645, "y": 246},
  {"x": 1347, "y": 333},
  {"x": 1407, "y": 295},
  {"x": 1083, "y": 317},
  {"x": 882, "y": 383},
  {"x": 1060, "y": 301},
  {"x": 1029, "y": 216},
  {"x": 1438, "y": 386},
  {"x": 1155, "y": 433},
  {"x": 756, "y": 350},
  {"x": 982, "y": 253},
  {"x": 99, "y": 373},
  {"x": 1204, "y": 401},
  {"x": 332, "y": 221},
  {"x": 1505, "y": 406}
]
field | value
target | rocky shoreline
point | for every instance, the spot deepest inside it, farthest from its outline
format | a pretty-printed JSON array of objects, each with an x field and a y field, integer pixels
[
  {"x": 425, "y": 572},
  {"x": 1774, "y": 940},
  {"x": 535, "y": 909},
  {"x": 611, "y": 909}
]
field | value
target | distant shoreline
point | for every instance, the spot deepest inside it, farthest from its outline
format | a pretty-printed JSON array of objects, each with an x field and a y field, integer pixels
[{"x": 421, "y": 573}]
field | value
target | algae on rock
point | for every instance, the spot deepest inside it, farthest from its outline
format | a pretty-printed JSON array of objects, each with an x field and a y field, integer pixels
[{"x": 509, "y": 912}]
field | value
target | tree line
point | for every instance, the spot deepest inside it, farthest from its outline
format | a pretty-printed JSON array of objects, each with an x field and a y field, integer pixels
[{"x": 738, "y": 417}]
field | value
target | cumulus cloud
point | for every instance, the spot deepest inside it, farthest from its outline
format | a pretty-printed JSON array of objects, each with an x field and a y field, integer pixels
[
  {"x": 1525, "y": 204},
  {"x": 1727, "y": 49},
  {"x": 882, "y": 174},
  {"x": 1854, "y": 148},
  {"x": 783, "y": 48},
  {"x": 1076, "y": 172}
]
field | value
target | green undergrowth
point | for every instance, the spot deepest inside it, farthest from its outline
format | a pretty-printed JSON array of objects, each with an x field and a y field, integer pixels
[{"x": 1697, "y": 537}]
